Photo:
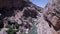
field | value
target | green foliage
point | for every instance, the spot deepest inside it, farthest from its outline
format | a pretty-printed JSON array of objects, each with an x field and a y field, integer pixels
[
  {"x": 34, "y": 29},
  {"x": 11, "y": 31},
  {"x": 8, "y": 26},
  {"x": 16, "y": 25},
  {"x": 12, "y": 28}
]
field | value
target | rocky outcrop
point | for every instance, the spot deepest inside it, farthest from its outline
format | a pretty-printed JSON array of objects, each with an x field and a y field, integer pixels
[
  {"x": 52, "y": 14},
  {"x": 18, "y": 16},
  {"x": 24, "y": 17}
]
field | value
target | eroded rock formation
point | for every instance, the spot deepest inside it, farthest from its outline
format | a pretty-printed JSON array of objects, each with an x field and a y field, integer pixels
[
  {"x": 24, "y": 17},
  {"x": 52, "y": 14}
]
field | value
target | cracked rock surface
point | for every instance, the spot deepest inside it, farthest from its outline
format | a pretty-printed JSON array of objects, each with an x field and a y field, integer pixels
[{"x": 24, "y": 17}]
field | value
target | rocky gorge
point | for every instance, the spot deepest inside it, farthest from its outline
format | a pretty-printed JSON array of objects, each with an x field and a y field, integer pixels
[{"x": 24, "y": 17}]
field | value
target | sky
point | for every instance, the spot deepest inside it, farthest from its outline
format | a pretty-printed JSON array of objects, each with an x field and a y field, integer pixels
[{"x": 40, "y": 3}]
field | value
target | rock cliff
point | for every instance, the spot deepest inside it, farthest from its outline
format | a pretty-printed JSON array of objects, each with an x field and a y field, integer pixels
[
  {"x": 24, "y": 17},
  {"x": 52, "y": 14}
]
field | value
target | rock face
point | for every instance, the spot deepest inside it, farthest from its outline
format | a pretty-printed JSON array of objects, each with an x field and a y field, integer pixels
[
  {"x": 24, "y": 17},
  {"x": 18, "y": 16},
  {"x": 52, "y": 14}
]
